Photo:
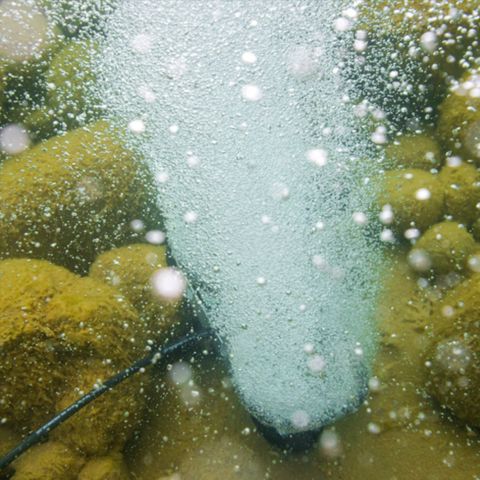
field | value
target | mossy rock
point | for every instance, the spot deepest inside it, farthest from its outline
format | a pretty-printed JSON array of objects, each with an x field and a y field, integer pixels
[
  {"x": 453, "y": 359},
  {"x": 447, "y": 245},
  {"x": 68, "y": 101},
  {"x": 130, "y": 269},
  {"x": 48, "y": 461},
  {"x": 462, "y": 192},
  {"x": 111, "y": 467},
  {"x": 72, "y": 197},
  {"x": 416, "y": 198},
  {"x": 414, "y": 151},
  {"x": 29, "y": 41},
  {"x": 410, "y": 59},
  {"x": 69, "y": 78},
  {"x": 60, "y": 334},
  {"x": 107, "y": 423},
  {"x": 459, "y": 122},
  {"x": 410, "y": 20}
]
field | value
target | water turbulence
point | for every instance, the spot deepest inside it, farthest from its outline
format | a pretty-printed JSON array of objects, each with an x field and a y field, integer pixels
[{"x": 240, "y": 110}]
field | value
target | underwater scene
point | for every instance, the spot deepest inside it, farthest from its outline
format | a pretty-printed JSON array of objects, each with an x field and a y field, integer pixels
[{"x": 239, "y": 239}]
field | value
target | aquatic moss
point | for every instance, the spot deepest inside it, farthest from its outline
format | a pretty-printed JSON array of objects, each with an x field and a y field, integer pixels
[
  {"x": 453, "y": 359},
  {"x": 48, "y": 461},
  {"x": 459, "y": 121},
  {"x": 60, "y": 334},
  {"x": 111, "y": 467},
  {"x": 462, "y": 192},
  {"x": 72, "y": 197},
  {"x": 414, "y": 151},
  {"x": 415, "y": 197},
  {"x": 129, "y": 269},
  {"x": 447, "y": 246}
]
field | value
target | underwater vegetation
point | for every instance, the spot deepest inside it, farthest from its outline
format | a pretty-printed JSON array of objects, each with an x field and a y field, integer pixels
[{"x": 82, "y": 238}]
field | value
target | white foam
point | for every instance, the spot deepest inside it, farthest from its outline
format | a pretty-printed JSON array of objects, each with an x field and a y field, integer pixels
[{"x": 248, "y": 148}]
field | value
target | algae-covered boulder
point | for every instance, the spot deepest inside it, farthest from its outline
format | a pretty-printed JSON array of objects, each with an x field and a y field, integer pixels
[
  {"x": 111, "y": 467},
  {"x": 48, "y": 461},
  {"x": 68, "y": 77},
  {"x": 415, "y": 197},
  {"x": 60, "y": 334},
  {"x": 29, "y": 40},
  {"x": 459, "y": 122},
  {"x": 447, "y": 245},
  {"x": 68, "y": 101},
  {"x": 410, "y": 52},
  {"x": 414, "y": 151},
  {"x": 476, "y": 229},
  {"x": 130, "y": 270},
  {"x": 72, "y": 197},
  {"x": 461, "y": 185},
  {"x": 453, "y": 360},
  {"x": 109, "y": 421}
]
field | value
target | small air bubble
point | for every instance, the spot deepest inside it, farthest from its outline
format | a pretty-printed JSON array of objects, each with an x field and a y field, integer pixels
[
  {"x": 137, "y": 126},
  {"x": 190, "y": 217},
  {"x": 317, "y": 156},
  {"x": 419, "y": 260},
  {"x": 373, "y": 428},
  {"x": 169, "y": 283},
  {"x": 360, "y": 218},
  {"x": 300, "y": 419},
  {"x": 141, "y": 43},
  {"x": 316, "y": 364},
  {"x": 249, "y": 58},
  {"x": 155, "y": 237},
  {"x": 423, "y": 194},
  {"x": 14, "y": 139},
  {"x": 342, "y": 24},
  {"x": 474, "y": 263},
  {"x": 251, "y": 93},
  {"x": 137, "y": 225}
]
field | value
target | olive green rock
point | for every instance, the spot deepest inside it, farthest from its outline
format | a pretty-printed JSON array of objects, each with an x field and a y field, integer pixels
[
  {"x": 60, "y": 334},
  {"x": 453, "y": 359},
  {"x": 129, "y": 269},
  {"x": 459, "y": 121},
  {"x": 29, "y": 41},
  {"x": 48, "y": 461},
  {"x": 447, "y": 246},
  {"x": 415, "y": 197},
  {"x": 461, "y": 185},
  {"x": 111, "y": 467},
  {"x": 414, "y": 151},
  {"x": 68, "y": 79},
  {"x": 413, "y": 50},
  {"x": 72, "y": 197}
]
